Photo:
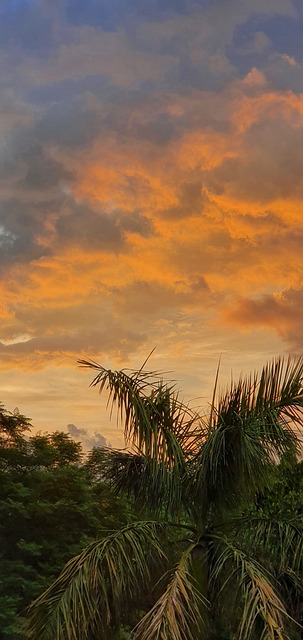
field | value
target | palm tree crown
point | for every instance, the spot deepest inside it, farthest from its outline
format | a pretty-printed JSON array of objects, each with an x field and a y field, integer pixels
[{"x": 192, "y": 478}]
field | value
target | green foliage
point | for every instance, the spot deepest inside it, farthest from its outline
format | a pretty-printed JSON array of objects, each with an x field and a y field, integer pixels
[
  {"x": 96, "y": 579},
  {"x": 52, "y": 504},
  {"x": 284, "y": 496},
  {"x": 12, "y": 426},
  {"x": 284, "y": 499},
  {"x": 228, "y": 570}
]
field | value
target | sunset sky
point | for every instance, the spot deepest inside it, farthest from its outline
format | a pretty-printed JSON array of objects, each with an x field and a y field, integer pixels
[{"x": 151, "y": 166}]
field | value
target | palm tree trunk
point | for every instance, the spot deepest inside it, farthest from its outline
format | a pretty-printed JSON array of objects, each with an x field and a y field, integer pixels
[{"x": 200, "y": 576}]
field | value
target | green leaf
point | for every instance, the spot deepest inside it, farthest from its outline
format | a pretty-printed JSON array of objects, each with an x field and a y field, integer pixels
[
  {"x": 89, "y": 593},
  {"x": 261, "y": 611},
  {"x": 177, "y": 613},
  {"x": 257, "y": 422}
]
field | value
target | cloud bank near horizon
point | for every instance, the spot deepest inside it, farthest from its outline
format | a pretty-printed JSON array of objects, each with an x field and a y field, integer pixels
[{"x": 89, "y": 440}]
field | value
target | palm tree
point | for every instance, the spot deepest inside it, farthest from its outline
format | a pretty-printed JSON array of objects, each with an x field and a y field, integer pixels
[{"x": 192, "y": 479}]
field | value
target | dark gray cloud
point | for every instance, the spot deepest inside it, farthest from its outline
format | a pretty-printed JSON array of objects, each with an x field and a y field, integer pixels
[
  {"x": 20, "y": 226},
  {"x": 25, "y": 159},
  {"x": 160, "y": 129},
  {"x": 44, "y": 173},
  {"x": 284, "y": 73},
  {"x": 270, "y": 165},
  {"x": 194, "y": 53},
  {"x": 40, "y": 184},
  {"x": 99, "y": 229},
  {"x": 192, "y": 200},
  {"x": 110, "y": 14},
  {"x": 70, "y": 125},
  {"x": 135, "y": 116},
  {"x": 64, "y": 92},
  {"x": 23, "y": 224}
]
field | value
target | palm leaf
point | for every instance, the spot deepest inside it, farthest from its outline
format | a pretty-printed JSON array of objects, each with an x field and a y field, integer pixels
[
  {"x": 274, "y": 400},
  {"x": 177, "y": 613},
  {"x": 281, "y": 542},
  {"x": 255, "y": 424},
  {"x": 154, "y": 485},
  {"x": 153, "y": 417},
  {"x": 163, "y": 432},
  {"x": 93, "y": 587},
  {"x": 257, "y": 604}
]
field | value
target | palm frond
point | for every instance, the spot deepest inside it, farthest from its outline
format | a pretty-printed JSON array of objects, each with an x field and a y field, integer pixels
[
  {"x": 274, "y": 400},
  {"x": 215, "y": 390},
  {"x": 255, "y": 424},
  {"x": 257, "y": 604},
  {"x": 93, "y": 587},
  {"x": 231, "y": 465},
  {"x": 177, "y": 613},
  {"x": 164, "y": 430},
  {"x": 126, "y": 390},
  {"x": 152, "y": 484},
  {"x": 280, "y": 541}
]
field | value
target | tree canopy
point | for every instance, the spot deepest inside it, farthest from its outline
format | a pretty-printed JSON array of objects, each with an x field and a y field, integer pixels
[
  {"x": 52, "y": 504},
  {"x": 210, "y": 565}
]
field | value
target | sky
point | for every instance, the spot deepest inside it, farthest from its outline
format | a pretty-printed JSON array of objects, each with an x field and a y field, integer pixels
[{"x": 151, "y": 195}]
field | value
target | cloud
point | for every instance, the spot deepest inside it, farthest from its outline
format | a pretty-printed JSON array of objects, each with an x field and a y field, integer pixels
[
  {"x": 20, "y": 225},
  {"x": 25, "y": 163},
  {"x": 281, "y": 312},
  {"x": 69, "y": 124},
  {"x": 284, "y": 73},
  {"x": 81, "y": 226},
  {"x": 111, "y": 14},
  {"x": 149, "y": 178},
  {"x": 150, "y": 169},
  {"x": 192, "y": 201},
  {"x": 266, "y": 165},
  {"x": 155, "y": 298},
  {"x": 88, "y": 439},
  {"x": 133, "y": 44},
  {"x": 57, "y": 334}
]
